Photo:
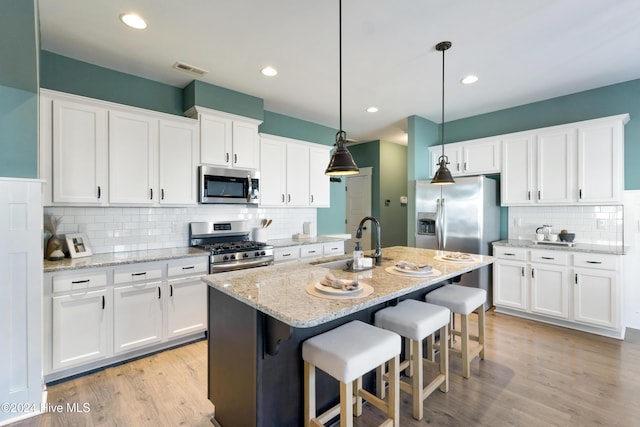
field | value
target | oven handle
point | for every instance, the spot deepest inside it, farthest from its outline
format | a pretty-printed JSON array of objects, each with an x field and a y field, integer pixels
[{"x": 238, "y": 265}]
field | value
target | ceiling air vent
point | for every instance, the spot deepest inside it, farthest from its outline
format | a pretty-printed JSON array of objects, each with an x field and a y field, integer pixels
[{"x": 189, "y": 68}]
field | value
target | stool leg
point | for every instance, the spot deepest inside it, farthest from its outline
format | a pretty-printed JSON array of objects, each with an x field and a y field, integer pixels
[
  {"x": 431, "y": 352},
  {"x": 416, "y": 382},
  {"x": 394, "y": 391},
  {"x": 481, "y": 319},
  {"x": 346, "y": 404},
  {"x": 444, "y": 359},
  {"x": 358, "y": 397},
  {"x": 464, "y": 323},
  {"x": 309, "y": 393},
  {"x": 380, "y": 382},
  {"x": 408, "y": 354}
]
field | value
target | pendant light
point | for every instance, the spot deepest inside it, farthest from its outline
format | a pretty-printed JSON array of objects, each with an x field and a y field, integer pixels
[
  {"x": 442, "y": 175},
  {"x": 341, "y": 162}
]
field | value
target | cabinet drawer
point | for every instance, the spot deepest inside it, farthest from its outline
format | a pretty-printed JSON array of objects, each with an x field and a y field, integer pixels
[
  {"x": 506, "y": 252},
  {"x": 309, "y": 251},
  {"x": 601, "y": 261},
  {"x": 79, "y": 282},
  {"x": 550, "y": 257},
  {"x": 334, "y": 248},
  {"x": 137, "y": 273},
  {"x": 191, "y": 266},
  {"x": 286, "y": 254}
]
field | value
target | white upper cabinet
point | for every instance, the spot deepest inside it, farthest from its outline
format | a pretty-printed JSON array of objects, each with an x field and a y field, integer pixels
[
  {"x": 178, "y": 157},
  {"x": 133, "y": 140},
  {"x": 79, "y": 152},
  {"x": 227, "y": 140},
  {"x": 565, "y": 165},
  {"x": 292, "y": 173},
  {"x": 600, "y": 162},
  {"x": 99, "y": 153},
  {"x": 319, "y": 185},
  {"x": 476, "y": 157}
]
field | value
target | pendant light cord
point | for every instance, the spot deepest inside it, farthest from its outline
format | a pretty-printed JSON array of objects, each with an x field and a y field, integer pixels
[
  {"x": 442, "y": 117},
  {"x": 340, "y": 57}
]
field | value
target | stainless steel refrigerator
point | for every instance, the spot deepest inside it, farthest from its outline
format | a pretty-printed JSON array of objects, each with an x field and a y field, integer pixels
[{"x": 463, "y": 217}]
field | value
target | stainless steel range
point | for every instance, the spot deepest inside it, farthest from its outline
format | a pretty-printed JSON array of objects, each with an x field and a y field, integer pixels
[{"x": 229, "y": 245}]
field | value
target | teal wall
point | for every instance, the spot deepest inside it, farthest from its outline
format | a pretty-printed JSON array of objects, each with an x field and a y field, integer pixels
[
  {"x": 388, "y": 182},
  {"x": 18, "y": 89},
  {"x": 605, "y": 101}
]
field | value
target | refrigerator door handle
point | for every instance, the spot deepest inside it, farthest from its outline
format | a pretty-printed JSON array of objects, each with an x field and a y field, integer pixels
[
  {"x": 438, "y": 227},
  {"x": 443, "y": 230}
]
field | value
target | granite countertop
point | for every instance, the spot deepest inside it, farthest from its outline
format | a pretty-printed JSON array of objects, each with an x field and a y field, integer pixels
[
  {"x": 287, "y": 242},
  {"x": 578, "y": 247},
  {"x": 279, "y": 290},
  {"x": 118, "y": 258}
]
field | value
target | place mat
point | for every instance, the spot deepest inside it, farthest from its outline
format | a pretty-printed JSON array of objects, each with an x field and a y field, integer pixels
[
  {"x": 413, "y": 274},
  {"x": 366, "y": 291},
  {"x": 457, "y": 261}
]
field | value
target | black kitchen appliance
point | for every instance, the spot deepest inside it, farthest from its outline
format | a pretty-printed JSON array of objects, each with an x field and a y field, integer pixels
[{"x": 229, "y": 245}]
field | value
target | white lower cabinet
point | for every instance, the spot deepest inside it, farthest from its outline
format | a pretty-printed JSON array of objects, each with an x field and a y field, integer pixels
[
  {"x": 137, "y": 316},
  {"x": 308, "y": 251},
  {"x": 106, "y": 315},
  {"x": 572, "y": 289}
]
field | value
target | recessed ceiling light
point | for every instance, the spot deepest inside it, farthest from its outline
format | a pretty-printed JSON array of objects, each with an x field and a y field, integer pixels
[
  {"x": 269, "y": 71},
  {"x": 134, "y": 21},
  {"x": 469, "y": 79},
  {"x": 372, "y": 110}
]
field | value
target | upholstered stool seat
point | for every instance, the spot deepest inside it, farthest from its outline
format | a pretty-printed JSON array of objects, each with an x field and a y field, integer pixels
[
  {"x": 416, "y": 320},
  {"x": 463, "y": 300},
  {"x": 346, "y": 353}
]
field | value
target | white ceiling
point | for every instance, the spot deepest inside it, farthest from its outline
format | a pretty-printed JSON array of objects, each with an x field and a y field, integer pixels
[{"x": 523, "y": 51}]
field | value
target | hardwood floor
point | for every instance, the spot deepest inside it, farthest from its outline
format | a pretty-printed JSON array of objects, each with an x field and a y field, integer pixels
[{"x": 533, "y": 375}]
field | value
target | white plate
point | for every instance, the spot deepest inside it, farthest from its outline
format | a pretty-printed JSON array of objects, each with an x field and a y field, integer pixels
[
  {"x": 335, "y": 291},
  {"x": 416, "y": 272},
  {"x": 457, "y": 259}
]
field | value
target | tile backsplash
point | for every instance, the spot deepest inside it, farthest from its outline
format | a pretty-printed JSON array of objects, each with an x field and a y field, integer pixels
[
  {"x": 596, "y": 225},
  {"x": 125, "y": 229}
]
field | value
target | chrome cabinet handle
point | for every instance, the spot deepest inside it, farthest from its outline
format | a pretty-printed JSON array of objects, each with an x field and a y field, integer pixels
[
  {"x": 282, "y": 197},
  {"x": 235, "y": 159}
]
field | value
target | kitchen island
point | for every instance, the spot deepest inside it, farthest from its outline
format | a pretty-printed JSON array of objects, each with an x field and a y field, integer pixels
[{"x": 258, "y": 319}]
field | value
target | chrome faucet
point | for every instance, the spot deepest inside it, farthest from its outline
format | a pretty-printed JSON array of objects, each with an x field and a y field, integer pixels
[{"x": 378, "y": 254}]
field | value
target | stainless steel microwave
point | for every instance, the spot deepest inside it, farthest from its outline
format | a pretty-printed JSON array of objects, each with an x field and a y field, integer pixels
[{"x": 220, "y": 185}]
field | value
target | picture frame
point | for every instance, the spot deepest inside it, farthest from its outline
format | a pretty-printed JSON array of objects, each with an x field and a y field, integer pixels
[{"x": 78, "y": 245}]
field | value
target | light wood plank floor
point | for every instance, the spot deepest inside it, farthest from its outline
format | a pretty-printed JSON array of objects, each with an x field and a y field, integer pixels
[{"x": 533, "y": 375}]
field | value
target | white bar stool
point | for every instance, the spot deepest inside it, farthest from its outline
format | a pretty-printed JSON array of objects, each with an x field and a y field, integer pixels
[
  {"x": 464, "y": 301},
  {"x": 416, "y": 320},
  {"x": 346, "y": 353}
]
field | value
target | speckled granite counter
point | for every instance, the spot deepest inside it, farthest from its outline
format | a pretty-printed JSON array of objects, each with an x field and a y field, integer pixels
[
  {"x": 259, "y": 318},
  {"x": 118, "y": 258},
  {"x": 279, "y": 290},
  {"x": 578, "y": 247},
  {"x": 284, "y": 243}
]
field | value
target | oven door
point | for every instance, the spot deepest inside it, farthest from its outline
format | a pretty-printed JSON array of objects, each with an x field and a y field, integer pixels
[
  {"x": 239, "y": 265},
  {"x": 229, "y": 186}
]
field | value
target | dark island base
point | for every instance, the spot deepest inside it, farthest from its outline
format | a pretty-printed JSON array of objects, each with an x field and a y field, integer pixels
[{"x": 256, "y": 368}]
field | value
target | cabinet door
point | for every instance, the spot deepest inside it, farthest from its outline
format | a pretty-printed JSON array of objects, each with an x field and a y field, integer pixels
[
  {"x": 595, "y": 297},
  {"x": 600, "y": 163},
  {"x": 79, "y": 153},
  {"x": 186, "y": 306},
  {"x": 319, "y": 186},
  {"x": 556, "y": 167},
  {"x": 133, "y": 140},
  {"x": 453, "y": 153},
  {"x": 178, "y": 158},
  {"x": 516, "y": 184},
  {"x": 297, "y": 175},
  {"x": 79, "y": 328},
  {"x": 549, "y": 290},
  {"x": 245, "y": 145},
  {"x": 510, "y": 284},
  {"x": 273, "y": 172},
  {"x": 481, "y": 157},
  {"x": 137, "y": 316},
  {"x": 215, "y": 140}
]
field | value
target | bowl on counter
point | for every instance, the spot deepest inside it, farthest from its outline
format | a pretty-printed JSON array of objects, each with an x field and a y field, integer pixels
[{"x": 567, "y": 237}]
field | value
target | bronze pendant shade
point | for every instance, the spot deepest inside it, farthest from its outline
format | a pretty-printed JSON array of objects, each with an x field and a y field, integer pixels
[
  {"x": 341, "y": 162},
  {"x": 442, "y": 175}
]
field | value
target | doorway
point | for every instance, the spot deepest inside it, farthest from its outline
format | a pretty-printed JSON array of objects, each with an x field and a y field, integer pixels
[{"x": 358, "y": 206}]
